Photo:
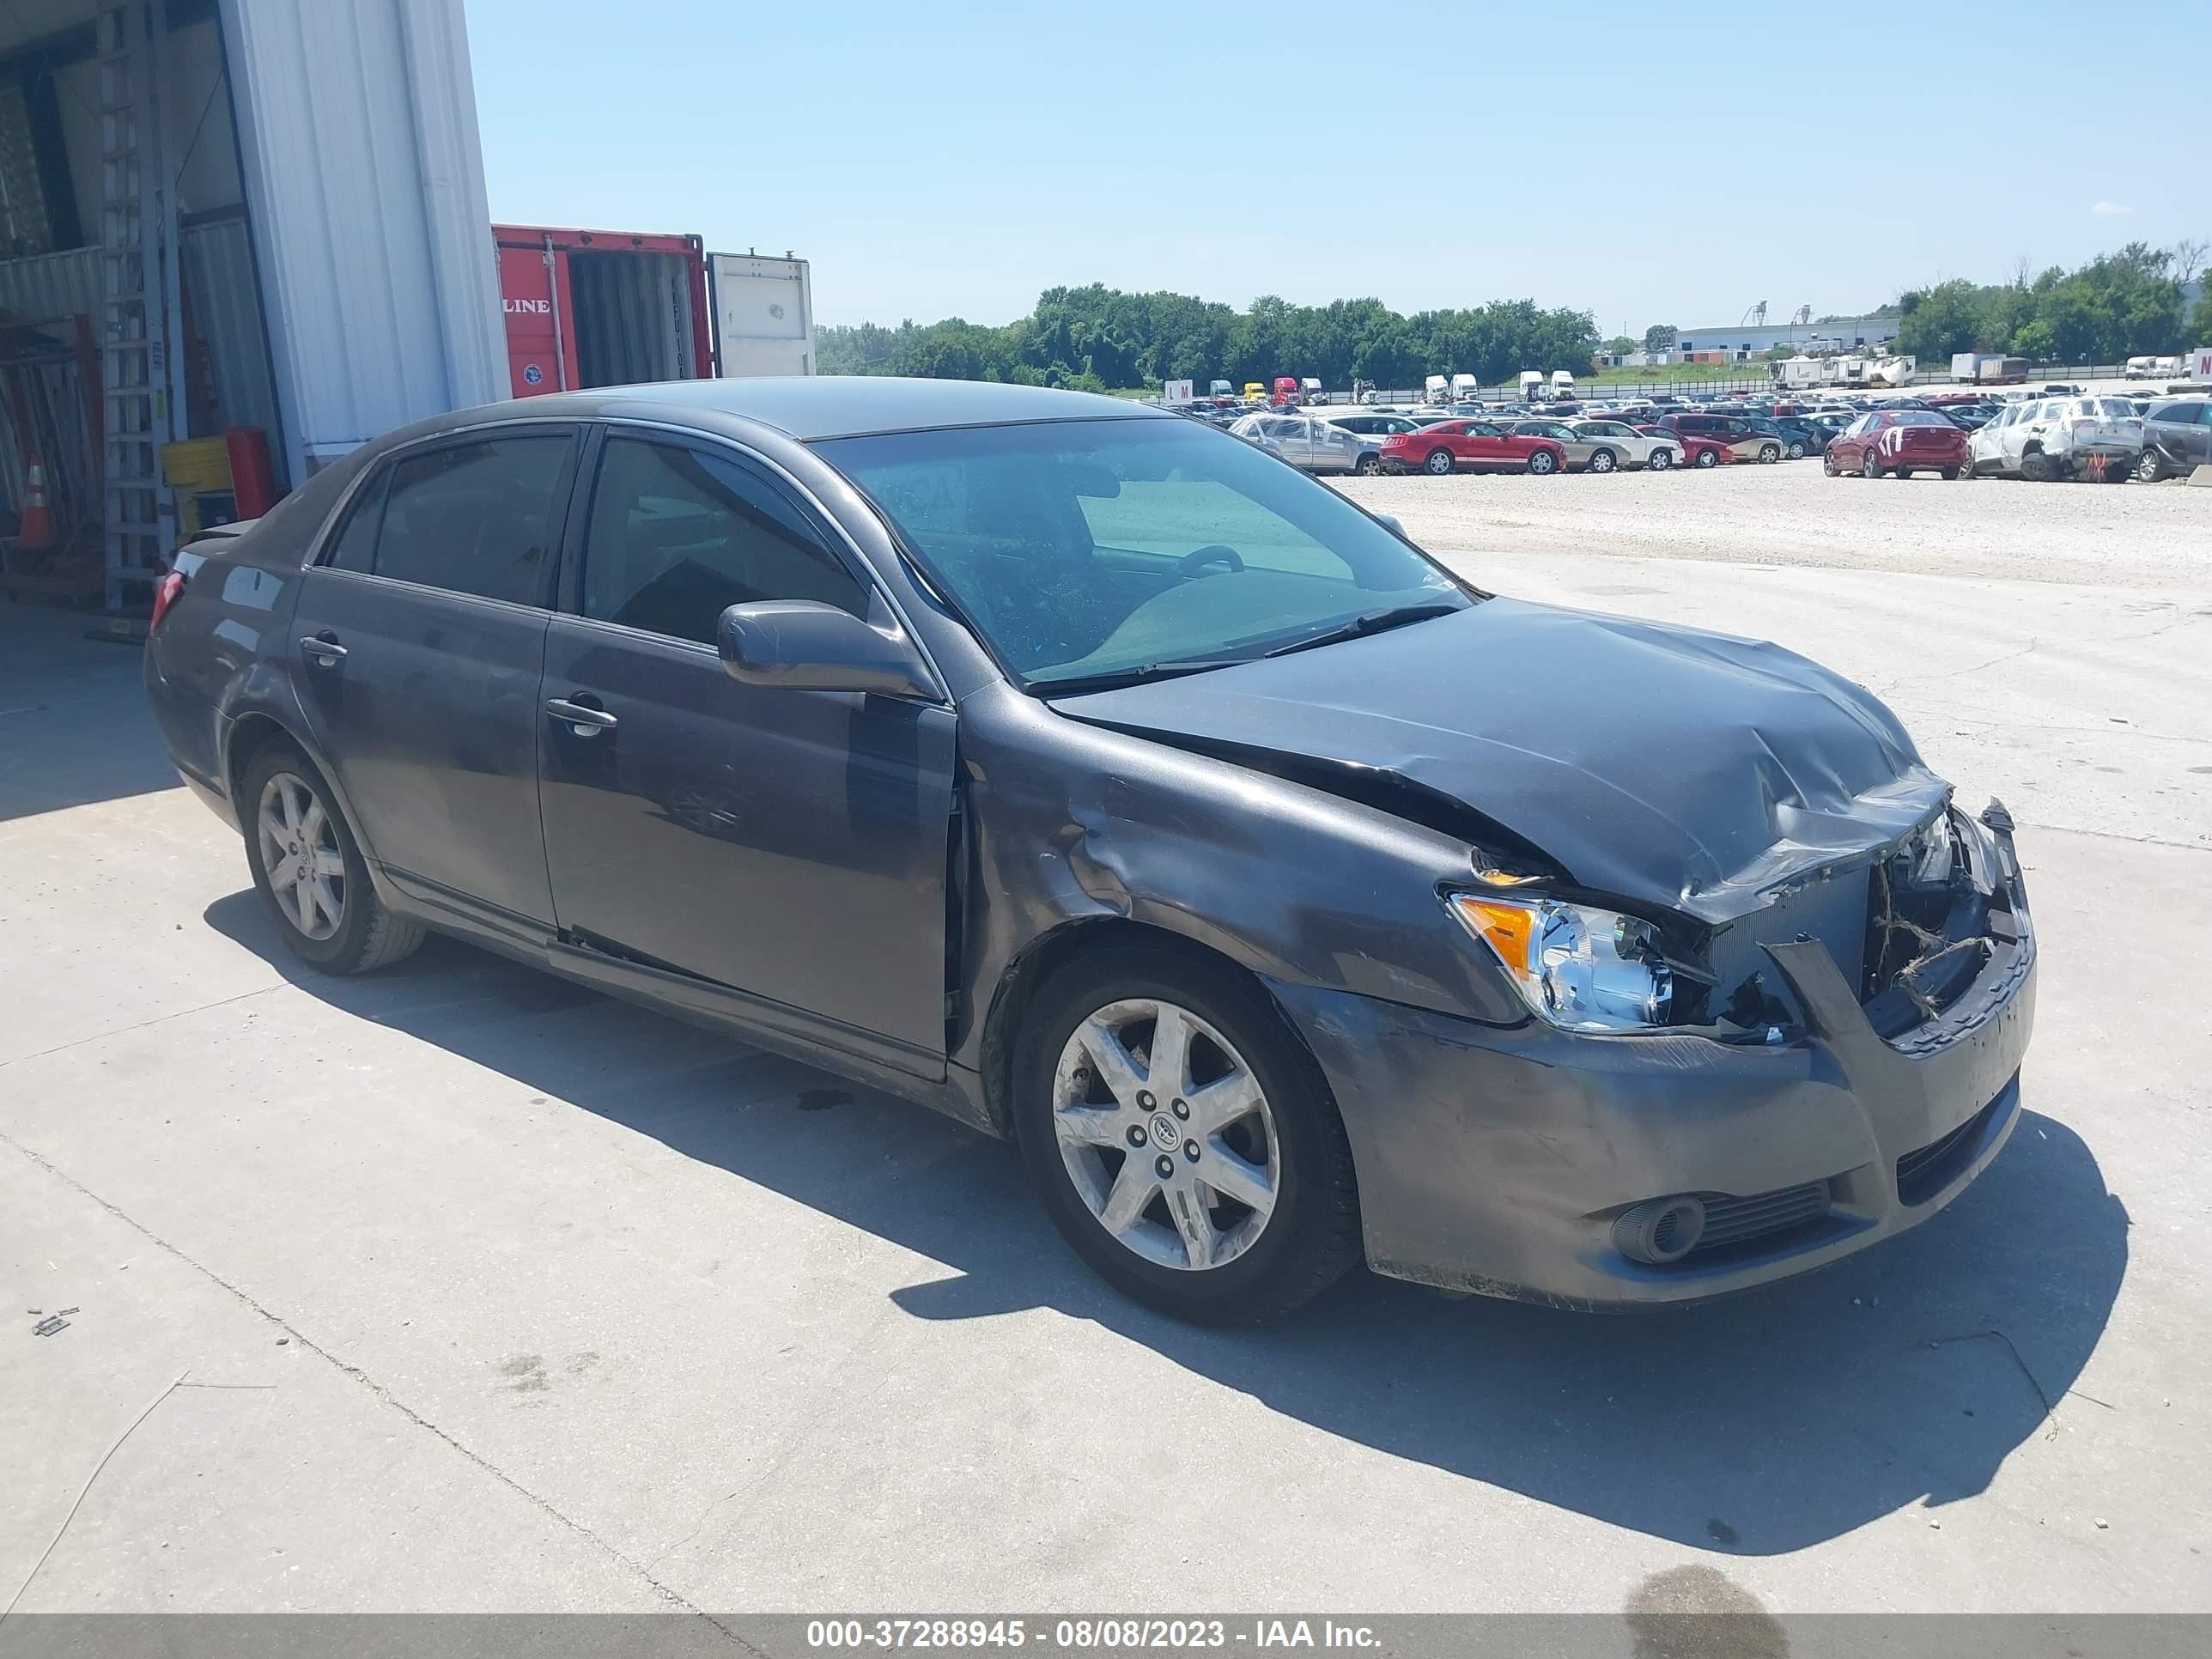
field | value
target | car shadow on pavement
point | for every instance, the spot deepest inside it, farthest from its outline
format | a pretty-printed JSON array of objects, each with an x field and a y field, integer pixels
[{"x": 1902, "y": 1377}]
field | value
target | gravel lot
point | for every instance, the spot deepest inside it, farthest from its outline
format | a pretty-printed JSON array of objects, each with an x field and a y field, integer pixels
[{"x": 2141, "y": 536}]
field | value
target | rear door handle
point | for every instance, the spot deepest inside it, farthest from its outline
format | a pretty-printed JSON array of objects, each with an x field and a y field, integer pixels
[
  {"x": 579, "y": 718},
  {"x": 328, "y": 651}
]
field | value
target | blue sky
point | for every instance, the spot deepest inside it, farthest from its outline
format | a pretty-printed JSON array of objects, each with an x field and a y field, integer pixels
[{"x": 939, "y": 158}]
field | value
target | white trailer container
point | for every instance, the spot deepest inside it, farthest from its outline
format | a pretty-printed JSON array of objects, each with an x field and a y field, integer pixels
[{"x": 764, "y": 315}]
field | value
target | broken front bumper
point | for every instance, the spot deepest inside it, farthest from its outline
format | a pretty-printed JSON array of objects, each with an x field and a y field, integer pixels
[{"x": 1496, "y": 1160}]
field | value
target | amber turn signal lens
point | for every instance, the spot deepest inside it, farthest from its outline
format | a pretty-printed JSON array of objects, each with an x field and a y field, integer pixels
[{"x": 1508, "y": 929}]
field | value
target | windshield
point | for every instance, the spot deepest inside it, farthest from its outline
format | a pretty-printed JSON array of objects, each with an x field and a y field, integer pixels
[{"x": 1083, "y": 547}]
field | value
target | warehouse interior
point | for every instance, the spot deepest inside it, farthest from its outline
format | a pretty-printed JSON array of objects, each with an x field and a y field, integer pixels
[{"x": 135, "y": 360}]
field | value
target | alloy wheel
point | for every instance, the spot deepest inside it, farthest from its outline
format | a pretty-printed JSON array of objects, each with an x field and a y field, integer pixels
[
  {"x": 1166, "y": 1135},
  {"x": 300, "y": 855}
]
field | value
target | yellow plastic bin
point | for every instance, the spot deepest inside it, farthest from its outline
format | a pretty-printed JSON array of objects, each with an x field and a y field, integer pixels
[{"x": 194, "y": 467}]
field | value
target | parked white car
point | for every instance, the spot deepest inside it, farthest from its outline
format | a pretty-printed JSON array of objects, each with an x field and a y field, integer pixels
[
  {"x": 1602, "y": 446},
  {"x": 1316, "y": 444},
  {"x": 2048, "y": 438}
]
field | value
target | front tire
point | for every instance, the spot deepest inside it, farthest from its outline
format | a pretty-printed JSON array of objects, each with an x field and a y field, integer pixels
[
  {"x": 310, "y": 872},
  {"x": 1233, "y": 1210},
  {"x": 1601, "y": 460},
  {"x": 1769, "y": 453},
  {"x": 1660, "y": 461},
  {"x": 1828, "y": 465},
  {"x": 1438, "y": 463}
]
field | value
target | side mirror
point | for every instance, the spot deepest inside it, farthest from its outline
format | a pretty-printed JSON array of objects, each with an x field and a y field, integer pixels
[
  {"x": 1390, "y": 521},
  {"x": 803, "y": 644}
]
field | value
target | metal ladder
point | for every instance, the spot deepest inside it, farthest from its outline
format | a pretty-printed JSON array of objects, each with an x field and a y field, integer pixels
[{"x": 134, "y": 395}]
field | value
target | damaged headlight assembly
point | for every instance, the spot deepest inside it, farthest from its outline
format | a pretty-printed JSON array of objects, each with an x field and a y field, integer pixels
[{"x": 1577, "y": 968}]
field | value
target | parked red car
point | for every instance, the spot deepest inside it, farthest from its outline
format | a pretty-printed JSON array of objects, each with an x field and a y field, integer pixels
[
  {"x": 1696, "y": 451},
  {"x": 1896, "y": 443},
  {"x": 1482, "y": 446}
]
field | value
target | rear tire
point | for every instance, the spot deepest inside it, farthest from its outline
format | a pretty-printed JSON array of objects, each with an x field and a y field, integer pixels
[
  {"x": 1949, "y": 473},
  {"x": 1309, "y": 1234},
  {"x": 1365, "y": 466},
  {"x": 1796, "y": 452},
  {"x": 1438, "y": 463},
  {"x": 292, "y": 823},
  {"x": 1542, "y": 464},
  {"x": 2037, "y": 467},
  {"x": 1870, "y": 464},
  {"x": 1709, "y": 458},
  {"x": 2149, "y": 468}
]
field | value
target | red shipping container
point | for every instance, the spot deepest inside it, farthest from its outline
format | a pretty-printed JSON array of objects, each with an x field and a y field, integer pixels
[{"x": 599, "y": 307}]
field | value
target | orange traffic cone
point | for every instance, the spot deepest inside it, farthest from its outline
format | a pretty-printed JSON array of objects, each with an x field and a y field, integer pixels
[{"x": 37, "y": 531}]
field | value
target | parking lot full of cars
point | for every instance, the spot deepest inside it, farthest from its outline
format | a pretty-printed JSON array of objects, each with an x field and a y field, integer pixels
[{"x": 2052, "y": 433}]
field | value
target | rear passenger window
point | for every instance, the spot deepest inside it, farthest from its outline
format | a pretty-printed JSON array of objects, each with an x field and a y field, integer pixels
[
  {"x": 475, "y": 518},
  {"x": 677, "y": 535},
  {"x": 356, "y": 546}
]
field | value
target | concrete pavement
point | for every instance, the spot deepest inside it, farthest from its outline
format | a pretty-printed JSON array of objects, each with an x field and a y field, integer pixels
[{"x": 522, "y": 1298}]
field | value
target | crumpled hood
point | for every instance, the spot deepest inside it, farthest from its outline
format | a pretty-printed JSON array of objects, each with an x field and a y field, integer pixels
[{"x": 1665, "y": 764}]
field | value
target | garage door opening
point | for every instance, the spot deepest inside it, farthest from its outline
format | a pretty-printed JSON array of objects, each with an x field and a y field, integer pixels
[{"x": 133, "y": 336}]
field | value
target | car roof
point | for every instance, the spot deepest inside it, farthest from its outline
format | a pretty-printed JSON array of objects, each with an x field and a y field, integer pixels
[{"x": 812, "y": 406}]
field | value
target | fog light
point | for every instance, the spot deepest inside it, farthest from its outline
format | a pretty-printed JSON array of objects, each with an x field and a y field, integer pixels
[{"x": 1661, "y": 1230}]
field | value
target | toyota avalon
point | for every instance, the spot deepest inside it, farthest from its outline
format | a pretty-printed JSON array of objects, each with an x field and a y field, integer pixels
[{"x": 1101, "y": 780}]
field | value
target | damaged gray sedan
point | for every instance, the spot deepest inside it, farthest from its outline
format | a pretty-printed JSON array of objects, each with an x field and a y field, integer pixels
[{"x": 1088, "y": 775}]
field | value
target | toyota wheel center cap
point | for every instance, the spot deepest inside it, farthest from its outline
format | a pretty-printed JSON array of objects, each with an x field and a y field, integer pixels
[{"x": 1167, "y": 1133}]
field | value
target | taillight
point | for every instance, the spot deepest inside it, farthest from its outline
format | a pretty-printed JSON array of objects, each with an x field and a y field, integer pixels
[{"x": 166, "y": 593}]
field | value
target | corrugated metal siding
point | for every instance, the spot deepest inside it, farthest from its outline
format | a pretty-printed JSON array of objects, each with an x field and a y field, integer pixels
[
  {"x": 50, "y": 285},
  {"x": 224, "y": 303},
  {"x": 365, "y": 182}
]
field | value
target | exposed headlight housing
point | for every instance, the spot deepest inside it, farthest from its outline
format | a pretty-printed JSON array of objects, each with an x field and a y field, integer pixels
[{"x": 1580, "y": 968}]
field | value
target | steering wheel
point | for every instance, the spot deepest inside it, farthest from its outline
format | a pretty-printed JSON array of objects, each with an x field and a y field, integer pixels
[{"x": 1214, "y": 553}]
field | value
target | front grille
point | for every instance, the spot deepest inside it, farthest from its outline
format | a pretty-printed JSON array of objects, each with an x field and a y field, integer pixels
[
  {"x": 1926, "y": 1170},
  {"x": 1733, "y": 1221}
]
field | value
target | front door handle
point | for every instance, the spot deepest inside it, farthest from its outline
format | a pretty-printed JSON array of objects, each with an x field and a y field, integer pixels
[
  {"x": 583, "y": 718},
  {"x": 325, "y": 649}
]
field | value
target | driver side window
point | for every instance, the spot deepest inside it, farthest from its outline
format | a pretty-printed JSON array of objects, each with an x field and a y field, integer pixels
[{"x": 678, "y": 534}]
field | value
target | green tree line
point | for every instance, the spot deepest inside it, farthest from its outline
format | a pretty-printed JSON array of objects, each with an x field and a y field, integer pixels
[
  {"x": 2120, "y": 305},
  {"x": 1098, "y": 337}
]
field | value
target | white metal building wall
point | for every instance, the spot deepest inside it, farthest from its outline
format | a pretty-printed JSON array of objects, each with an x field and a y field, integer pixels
[{"x": 364, "y": 177}]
